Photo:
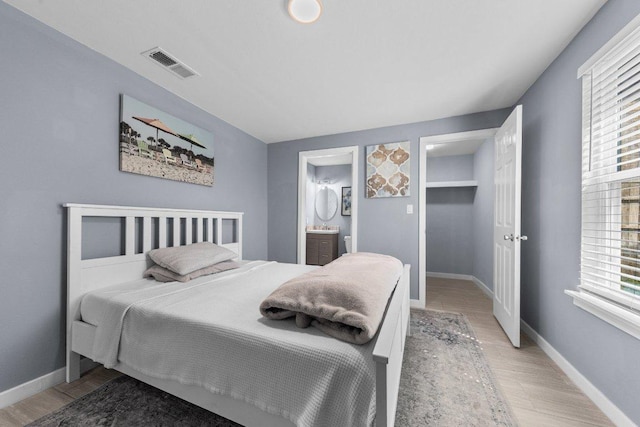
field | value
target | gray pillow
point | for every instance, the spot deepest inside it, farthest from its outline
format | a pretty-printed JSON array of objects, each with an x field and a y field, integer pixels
[
  {"x": 162, "y": 274},
  {"x": 185, "y": 259}
]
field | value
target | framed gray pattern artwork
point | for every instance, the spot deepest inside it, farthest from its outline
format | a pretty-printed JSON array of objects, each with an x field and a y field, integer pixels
[{"x": 388, "y": 170}]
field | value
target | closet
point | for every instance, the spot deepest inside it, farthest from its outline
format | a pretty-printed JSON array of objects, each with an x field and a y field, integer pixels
[{"x": 459, "y": 210}]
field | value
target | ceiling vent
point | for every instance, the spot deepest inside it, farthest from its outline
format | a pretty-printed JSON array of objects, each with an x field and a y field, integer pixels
[{"x": 169, "y": 62}]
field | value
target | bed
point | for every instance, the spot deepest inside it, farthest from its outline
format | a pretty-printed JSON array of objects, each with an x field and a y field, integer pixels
[{"x": 147, "y": 228}]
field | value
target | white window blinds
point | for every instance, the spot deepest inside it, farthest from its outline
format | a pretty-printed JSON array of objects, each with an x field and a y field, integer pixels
[{"x": 610, "y": 255}]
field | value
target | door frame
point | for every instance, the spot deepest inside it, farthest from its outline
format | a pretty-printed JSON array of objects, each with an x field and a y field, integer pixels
[
  {"x": 303, "y": 161},
  {"x": 422, "y": 201}
]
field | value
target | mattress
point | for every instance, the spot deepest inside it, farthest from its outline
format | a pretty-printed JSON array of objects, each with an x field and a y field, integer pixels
[{"x": 209, "y": 332}]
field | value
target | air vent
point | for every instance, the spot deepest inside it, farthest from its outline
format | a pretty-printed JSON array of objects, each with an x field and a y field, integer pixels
[
  {"x": 169, "y": 62},
  {"x": 162, "y": 58}
]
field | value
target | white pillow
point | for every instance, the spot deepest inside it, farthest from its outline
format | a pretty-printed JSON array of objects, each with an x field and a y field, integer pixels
[
  {"x": 186, "y": 259},
  {"x": 162, "y": 274}
]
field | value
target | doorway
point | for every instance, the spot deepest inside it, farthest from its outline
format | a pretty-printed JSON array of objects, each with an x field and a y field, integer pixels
[
  {"x": 309, "y": 184},
  {"x": 452, "y": 186},
  {"x": 504, "y": 252}
]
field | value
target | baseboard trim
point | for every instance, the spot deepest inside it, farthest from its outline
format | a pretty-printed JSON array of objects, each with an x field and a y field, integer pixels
[
  {"x": 449, "y": 275},
  {"x": 591, "y": 391},
  {"x": 484, "y": 288},
  {"x": 416, "y": 303},
  {"x": 28, "y": 389}
]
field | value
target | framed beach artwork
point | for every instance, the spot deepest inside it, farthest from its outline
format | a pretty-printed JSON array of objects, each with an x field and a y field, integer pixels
[
  {"x": 346, "y": 201},
  {"x": 155, "y": 143},
  {"x": 388, "y": 170}
]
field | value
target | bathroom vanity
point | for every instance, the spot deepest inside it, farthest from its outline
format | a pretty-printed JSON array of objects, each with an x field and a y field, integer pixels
[{"x": 322, "y": 246}]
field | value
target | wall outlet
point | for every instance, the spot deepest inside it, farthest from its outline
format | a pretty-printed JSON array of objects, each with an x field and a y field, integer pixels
[{"x": 409, "y": 209}]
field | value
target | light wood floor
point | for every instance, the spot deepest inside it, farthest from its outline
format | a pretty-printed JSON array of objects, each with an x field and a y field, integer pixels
[
  {"x": 539, "y": 393},
  {"x": 41, "y": 404}
]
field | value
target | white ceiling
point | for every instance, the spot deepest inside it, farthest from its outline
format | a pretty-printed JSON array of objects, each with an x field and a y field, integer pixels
[
  {"x": 363, "y": 64},
  {"x": 331, "y": 160},
  {"x": 456, "y": 148}
]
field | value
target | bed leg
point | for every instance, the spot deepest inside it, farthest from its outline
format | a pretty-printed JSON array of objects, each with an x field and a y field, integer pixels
[{"x": 73, "y": 366}]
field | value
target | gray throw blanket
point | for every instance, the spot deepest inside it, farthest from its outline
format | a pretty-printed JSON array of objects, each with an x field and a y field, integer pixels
[{"x": 345, "y": 299}]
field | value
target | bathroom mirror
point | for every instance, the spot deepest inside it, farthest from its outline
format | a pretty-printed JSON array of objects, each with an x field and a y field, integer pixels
[{"x": 326, "y": 203}]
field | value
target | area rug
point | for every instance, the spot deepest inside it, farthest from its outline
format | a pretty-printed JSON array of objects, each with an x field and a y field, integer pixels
[{"x": 446, "y": 381}]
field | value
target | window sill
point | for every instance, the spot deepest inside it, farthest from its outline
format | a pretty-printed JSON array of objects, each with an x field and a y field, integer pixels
[{"x": 622, "y": 318}]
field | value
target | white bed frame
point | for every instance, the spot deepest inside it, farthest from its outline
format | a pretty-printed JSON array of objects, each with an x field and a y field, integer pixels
[{"x": 91, "y": 274}]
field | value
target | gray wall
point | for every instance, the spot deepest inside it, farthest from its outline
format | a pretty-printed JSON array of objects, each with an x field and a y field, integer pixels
[
  {"x": 450, "y": 168},
  {"x": 340, "y": 176},
  {"x": 483, "y": 214},
  {"x": 551, "y": 204},
  {"x": 383, "y": 224},
  {"x": 460, "y": 220},
  {"x": 449, "y": 216},
  {"x": 59, "y": 118}
]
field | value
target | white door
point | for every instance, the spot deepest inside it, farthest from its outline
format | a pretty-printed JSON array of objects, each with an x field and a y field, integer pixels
[{"x": 506, "y": 235}]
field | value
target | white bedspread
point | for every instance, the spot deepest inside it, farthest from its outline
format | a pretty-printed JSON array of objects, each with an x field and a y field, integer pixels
[{"x": 209, "y": 332}]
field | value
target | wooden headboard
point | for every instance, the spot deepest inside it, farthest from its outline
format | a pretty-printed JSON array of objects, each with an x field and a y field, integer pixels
[{"x": 142, "y": 227}]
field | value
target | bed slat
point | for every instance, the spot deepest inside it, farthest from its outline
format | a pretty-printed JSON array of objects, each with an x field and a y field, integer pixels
[
  {"x": 218, "y": 232},
  {"x": 176, "y": 231},
  {"x": 162, "y": 232},
  {"x": 146, "y": 234},
  {"x": 130, "y": 235},
  {"x": 210, "y": 229},
  {"x": 188, "y": 229}
]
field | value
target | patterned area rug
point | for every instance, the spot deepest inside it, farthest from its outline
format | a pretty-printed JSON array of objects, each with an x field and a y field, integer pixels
[{"x": 445, "y": 382}]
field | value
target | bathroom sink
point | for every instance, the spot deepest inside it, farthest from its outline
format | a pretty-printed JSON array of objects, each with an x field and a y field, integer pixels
[
  {"x": 318, "y": 231},
  {"x": 323, "y": 229}
]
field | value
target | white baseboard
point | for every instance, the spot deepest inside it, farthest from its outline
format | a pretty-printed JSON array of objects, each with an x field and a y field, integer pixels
[
  {"x": 416, "y": 303},
  {"x": 592, "y": 392},
  {"x": 28, "y": 389},
  {"x": 484, "y": 288},
  {"x": 449, "y": 275}
]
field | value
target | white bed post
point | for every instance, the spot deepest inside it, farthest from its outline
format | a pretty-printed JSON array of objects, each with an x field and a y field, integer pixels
[{"x": 74, "y": 223}]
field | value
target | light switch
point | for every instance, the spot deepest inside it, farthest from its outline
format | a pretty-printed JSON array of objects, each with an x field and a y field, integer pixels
[{"x": 409, "y": 209}]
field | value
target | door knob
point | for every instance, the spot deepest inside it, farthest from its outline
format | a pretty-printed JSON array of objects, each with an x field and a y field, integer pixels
[
  {"x": 522, "y": 238},
  {"x": 508, "y": 237}
]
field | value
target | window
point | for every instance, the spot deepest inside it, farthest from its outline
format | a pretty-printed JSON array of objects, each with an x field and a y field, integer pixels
[{"x": 610, "y": 251}]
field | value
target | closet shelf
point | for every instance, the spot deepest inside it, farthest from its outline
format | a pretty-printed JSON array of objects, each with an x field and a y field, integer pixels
[{"x": 445, "y": 184}]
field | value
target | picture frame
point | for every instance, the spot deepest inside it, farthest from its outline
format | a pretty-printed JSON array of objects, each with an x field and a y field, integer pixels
[
  {"x": 155, "y": 143},
  {"x": 346, "y": 201},
  {"x": 388, "y": 170}
]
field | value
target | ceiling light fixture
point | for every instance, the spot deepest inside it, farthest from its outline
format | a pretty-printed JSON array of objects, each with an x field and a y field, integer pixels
[{"x": 305, "y": 11}]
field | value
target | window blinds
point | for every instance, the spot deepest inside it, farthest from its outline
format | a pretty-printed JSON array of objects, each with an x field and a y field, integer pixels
[{"x": 610, "y": 255}]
